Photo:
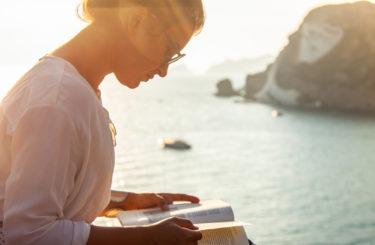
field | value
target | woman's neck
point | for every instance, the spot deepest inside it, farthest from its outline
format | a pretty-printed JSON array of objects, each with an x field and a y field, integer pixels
[{"x": 90, "y": 53}]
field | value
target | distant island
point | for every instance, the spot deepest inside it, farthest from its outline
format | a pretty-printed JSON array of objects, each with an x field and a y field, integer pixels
[
  {"x": 180, "y": 70},
  {"x": 229, "y": 66},
  {"x": 241, "y": 65},
  {"x": 328, "y": 63}
]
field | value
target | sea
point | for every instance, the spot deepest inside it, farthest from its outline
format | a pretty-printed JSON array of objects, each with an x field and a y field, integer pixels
[{"x": 304, "y": 178}]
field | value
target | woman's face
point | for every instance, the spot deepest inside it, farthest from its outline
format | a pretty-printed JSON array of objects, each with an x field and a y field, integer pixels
[{"x": 146, "y": 48}]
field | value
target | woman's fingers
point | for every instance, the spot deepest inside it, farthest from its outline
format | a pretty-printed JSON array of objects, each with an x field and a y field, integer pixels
[
  {"x": 170, "y": 198},
  {"x": 192, "y": 232},
  {"x": 194, "y": 236},
  {"x": 184, "y": 223},
  {"x": 161, "y": 202},
  {"x": 175, "y": 231}
]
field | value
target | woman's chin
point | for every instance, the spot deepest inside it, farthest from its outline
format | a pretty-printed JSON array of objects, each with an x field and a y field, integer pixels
[
  {"x": 133, "y": 85},
  {"x": 130, "y": 84}
]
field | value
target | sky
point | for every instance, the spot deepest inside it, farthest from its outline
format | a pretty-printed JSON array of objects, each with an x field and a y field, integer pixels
[{"x": 234, "y": 29}]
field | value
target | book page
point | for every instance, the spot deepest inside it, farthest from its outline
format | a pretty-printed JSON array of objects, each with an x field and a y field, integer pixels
[
  {"x": 224, "y": 236},
  {"x": 219, "y": 225},
  {"x": 204, "y": 212},
  {"x": 106, "y": 222}
]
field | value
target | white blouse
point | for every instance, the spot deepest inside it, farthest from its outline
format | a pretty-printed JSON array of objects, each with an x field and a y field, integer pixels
[{"x": 56, "y": 157}]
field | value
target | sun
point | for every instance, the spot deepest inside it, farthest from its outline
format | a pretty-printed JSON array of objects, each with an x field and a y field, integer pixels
[
  {"x": 10, "y": 76},
  {"x": 4, "y": 88}
]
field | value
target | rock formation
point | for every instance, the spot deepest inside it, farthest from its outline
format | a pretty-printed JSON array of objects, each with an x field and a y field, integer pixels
[
  {"x": 254, "y": 83},
  {"x": 225, "y": 89},
  {"x": 329, "y": 62}
]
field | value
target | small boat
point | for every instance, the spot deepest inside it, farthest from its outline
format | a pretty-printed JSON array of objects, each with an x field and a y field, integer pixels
[
  {"x": 276, "y": 113},
  {"x": 175, "y": 144}
]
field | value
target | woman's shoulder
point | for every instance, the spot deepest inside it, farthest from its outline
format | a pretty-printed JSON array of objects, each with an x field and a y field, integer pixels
[
  {"x": 71, "y": 89},
  {"x": 51, "y": 82}
]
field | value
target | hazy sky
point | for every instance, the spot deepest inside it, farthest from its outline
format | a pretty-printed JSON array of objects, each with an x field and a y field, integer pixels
[{"x": 234, "y": 29}]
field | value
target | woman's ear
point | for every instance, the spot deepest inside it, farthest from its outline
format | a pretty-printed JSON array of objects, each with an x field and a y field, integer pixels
[
  {"x": 141, "y": 20},
  {"x": 137, "y": 20}
]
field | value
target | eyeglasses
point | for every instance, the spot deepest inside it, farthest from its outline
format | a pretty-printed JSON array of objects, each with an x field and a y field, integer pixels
[{"x": 178, "y": 54}]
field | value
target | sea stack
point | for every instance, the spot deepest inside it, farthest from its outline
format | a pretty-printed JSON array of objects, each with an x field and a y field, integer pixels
[
  {"x": 225, "y": 89},
  {"x": 329, "y": 62}
]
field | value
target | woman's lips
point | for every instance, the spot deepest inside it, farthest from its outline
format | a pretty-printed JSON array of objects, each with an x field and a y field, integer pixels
[{"x": 148, "y": 77}]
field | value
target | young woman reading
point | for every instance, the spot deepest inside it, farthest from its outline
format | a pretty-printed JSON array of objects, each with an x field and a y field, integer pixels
[{"x": 56, "y": 139}]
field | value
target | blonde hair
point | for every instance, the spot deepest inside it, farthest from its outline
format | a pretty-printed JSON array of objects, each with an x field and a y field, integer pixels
[{"x": 92, "y": 10}]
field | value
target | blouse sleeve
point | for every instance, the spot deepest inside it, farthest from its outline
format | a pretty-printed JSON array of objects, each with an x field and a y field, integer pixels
[{"x": 41, "y": 179}]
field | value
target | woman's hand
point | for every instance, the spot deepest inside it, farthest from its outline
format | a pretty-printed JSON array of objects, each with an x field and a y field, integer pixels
[
  {"x": 150, "y": 200},
  {"x": 174, "y": 231}
]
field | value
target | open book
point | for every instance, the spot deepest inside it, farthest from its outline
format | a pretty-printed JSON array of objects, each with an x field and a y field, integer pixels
[{"x": 215, "y": 220}]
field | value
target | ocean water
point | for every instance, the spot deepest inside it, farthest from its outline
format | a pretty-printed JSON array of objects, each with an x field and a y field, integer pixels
[{"x": 304, "y": 178}]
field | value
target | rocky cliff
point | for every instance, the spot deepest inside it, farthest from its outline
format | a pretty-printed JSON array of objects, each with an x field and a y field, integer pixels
[{"x": 329, "y": 62}]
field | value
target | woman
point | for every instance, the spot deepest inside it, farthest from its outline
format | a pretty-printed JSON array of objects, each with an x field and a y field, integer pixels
[{"x": 56, "y": 139}]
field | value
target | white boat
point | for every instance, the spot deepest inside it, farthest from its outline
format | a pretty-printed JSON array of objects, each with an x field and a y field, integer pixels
[{"x": 176, "y": 144}]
